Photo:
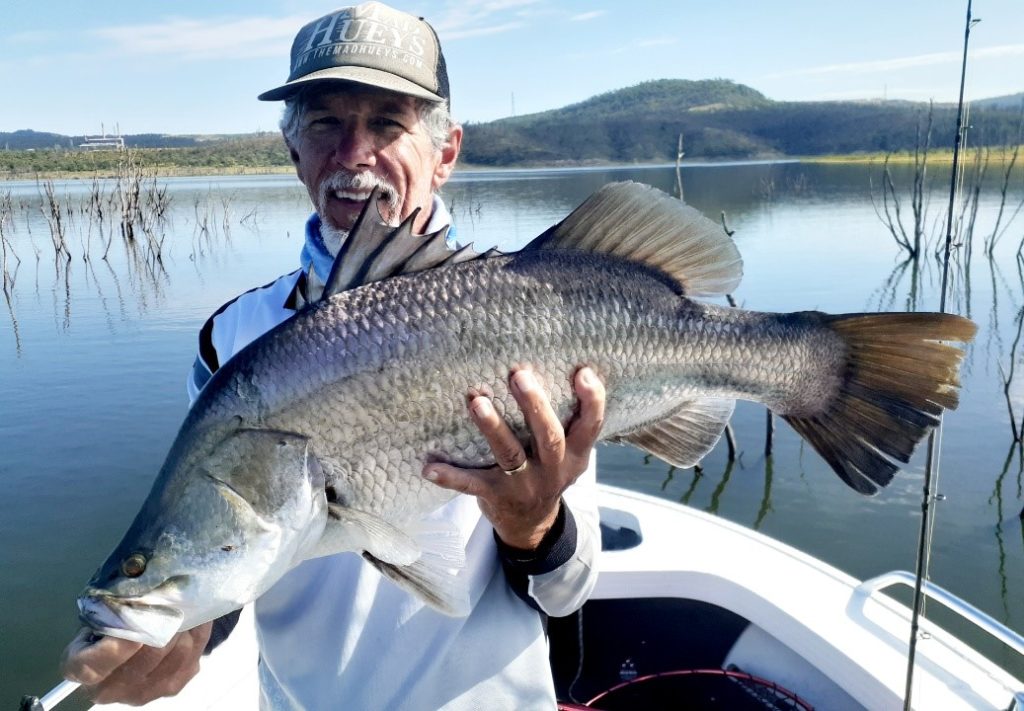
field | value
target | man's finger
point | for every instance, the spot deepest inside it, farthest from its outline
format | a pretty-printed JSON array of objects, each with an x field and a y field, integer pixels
[
  {"x": 475, "y": 482},
  {"x": 506, "y": 447},
  {"x": 178, "y": 667},
  {"x": 546, "y": 430},
  {"x": 89, "y": 661},
  {"x": 586, "y": 426},
  {"x": 142, "y": 663},
  {"x": 157, "y": 672}
]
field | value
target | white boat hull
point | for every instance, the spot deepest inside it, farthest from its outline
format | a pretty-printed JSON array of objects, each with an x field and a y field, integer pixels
[{"x": 831, "y": 640}]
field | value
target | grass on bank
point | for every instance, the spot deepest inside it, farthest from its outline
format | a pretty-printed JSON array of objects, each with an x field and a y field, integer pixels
[
  {"x": 269, "y": 156},
  {"x": 942, "y": 156}
]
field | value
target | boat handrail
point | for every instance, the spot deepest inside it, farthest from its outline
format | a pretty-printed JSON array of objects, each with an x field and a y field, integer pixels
[{"x": 956, "y": 604}]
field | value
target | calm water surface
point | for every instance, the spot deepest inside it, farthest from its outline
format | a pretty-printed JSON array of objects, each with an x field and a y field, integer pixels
[{"x": 94, "y": 354}]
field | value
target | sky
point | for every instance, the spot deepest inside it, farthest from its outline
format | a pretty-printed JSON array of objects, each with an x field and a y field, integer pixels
[{"x": 196, "y": 66}]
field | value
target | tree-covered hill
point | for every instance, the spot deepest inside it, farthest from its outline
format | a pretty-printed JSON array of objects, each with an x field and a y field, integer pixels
[
  {"x": 1010, "y": 101},
  {"x": 719, "y": 119}
]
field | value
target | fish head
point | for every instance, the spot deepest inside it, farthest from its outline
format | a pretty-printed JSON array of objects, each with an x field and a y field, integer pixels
[{"x": 222, "y": 524}]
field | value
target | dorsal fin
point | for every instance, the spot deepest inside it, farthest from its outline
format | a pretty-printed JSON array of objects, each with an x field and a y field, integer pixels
[
  {"x": 643, "y": 224},
  {"x": 375, "y": 250}
]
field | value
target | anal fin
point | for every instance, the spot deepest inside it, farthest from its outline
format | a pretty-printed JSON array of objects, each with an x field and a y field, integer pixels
[{"x": 687, "y": 435}]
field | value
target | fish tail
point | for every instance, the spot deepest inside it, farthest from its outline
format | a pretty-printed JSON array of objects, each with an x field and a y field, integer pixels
[{"x": 899, "y": 376}]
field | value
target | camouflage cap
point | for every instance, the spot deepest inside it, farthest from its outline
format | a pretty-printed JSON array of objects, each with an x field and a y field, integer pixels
[{"x": 370, "y": 44}]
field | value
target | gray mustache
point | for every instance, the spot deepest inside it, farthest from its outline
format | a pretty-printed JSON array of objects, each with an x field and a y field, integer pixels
[{"x": 345, "y": 180}]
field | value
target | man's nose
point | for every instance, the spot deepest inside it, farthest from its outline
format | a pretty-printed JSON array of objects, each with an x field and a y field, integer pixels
[{"x": 355, "y": 148}]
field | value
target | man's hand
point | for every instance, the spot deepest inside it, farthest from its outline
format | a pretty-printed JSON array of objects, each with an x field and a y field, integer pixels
[
  {"x": 113, "y": 670},
  {"x": 523, "y": 506}
]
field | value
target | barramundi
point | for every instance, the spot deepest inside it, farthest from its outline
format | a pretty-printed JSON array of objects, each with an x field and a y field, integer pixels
[{"x": 312, "y": 439}]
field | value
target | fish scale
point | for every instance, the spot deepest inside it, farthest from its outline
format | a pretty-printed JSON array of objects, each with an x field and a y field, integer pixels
[{"x": 637, "y": 334}]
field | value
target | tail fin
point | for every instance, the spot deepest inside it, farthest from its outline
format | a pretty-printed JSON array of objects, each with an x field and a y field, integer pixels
[{"x": 899, "y": 377}]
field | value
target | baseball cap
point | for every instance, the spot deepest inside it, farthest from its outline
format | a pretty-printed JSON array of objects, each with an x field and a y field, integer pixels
[{"x": 370, "y": 44}]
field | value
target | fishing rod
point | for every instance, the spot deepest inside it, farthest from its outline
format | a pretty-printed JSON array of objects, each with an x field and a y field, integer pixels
[
  {"x": 50, "y": 699},
  {"x": 931, "y": 466}
]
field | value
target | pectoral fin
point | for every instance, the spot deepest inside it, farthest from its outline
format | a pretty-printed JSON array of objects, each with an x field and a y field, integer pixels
[
  {"x": 423, "y": 558},
  {"x": 349, "y": 530},
  {"x": 436, "y": 585}
]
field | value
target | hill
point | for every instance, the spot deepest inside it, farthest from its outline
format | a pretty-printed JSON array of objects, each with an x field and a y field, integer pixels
[
  {"x": 719, "y": 119},
  {"x": 1010, "y": 101}
]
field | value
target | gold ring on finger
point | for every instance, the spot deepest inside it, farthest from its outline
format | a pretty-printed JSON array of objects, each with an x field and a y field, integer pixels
[{"x": 518, "y": 469}]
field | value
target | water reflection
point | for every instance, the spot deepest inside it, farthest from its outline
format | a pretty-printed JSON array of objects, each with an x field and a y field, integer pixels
[
  {"x": 766, "y": 500},
  {"x": 1002, "y": 522},
  {"x": 126, "y": 224},
  {"x": 1008, "y": 374}
]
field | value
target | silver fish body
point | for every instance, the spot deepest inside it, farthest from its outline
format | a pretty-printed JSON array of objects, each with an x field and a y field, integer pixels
[
  {"x": 377, "y": 378},
  {"x": 312, "y": 439}
]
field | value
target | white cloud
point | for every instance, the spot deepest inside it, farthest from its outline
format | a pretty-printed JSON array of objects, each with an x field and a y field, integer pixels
[
  {"x": 583, "y": 17},
  {"x": 473, "y": 18},
  {"x": 887, "y": 65},
  {"x": 204, "y": 39},
  {"x": 479, "y": 31},
  {"x": 30, "y": 37},
  {"x": 656, "y": 42},
  {"x": 248, "y": 37},
  {"x": 462, "y": 19},
  {"x": 630, "y": 47},
  {"x": 1005, "y": 50}
]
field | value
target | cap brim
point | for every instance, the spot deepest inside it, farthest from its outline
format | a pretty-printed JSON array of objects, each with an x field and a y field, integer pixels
[{"x": 359, "y": 75}]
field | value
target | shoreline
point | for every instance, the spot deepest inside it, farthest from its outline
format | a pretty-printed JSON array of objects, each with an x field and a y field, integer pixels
[{"x": 935, "y": 157}]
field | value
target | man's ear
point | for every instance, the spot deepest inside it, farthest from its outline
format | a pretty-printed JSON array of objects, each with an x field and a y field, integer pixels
[
  {"x": 294, "y": 154},
  {"x": 449, "y": 156}
]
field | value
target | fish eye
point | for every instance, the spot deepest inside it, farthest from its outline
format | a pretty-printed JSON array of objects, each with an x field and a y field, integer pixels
[{"x": 134, "y": 565}]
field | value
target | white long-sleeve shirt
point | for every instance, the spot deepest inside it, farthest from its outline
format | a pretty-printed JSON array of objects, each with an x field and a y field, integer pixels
[{"x": 334, "y": 634}]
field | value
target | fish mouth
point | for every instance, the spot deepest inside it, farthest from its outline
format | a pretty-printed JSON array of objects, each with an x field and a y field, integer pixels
[{"x": 137, "y": 619}]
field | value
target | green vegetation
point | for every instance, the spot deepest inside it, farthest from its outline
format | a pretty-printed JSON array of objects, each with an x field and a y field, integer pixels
[
  {"x": 236, "y": 154},
  {"x": 718, "y": 119},
  {"x": 942, "y": 156}
]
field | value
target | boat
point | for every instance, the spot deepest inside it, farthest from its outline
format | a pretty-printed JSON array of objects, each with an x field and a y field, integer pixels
[{"x": 693, "y": 611}]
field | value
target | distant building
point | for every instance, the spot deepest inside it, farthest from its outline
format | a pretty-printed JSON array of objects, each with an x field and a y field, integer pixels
[{"x": 103, "y": 142}]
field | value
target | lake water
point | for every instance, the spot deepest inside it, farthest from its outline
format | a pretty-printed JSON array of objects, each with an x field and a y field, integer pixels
[{"x": 94, "y": 354}]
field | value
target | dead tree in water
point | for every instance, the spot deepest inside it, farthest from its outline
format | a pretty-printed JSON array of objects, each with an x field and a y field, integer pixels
[
  {"x": 679, "y": 160},
  {"x": 52, "y": 212},
  {"x": 997, "y": 233},
  {"x": 7, "y": 219},
  {"x": 969, "y": 207},
  {"x": 128, "y": 189},
  {"x": 891, "y": 213},
  {"x": 1018, "y": 431}
]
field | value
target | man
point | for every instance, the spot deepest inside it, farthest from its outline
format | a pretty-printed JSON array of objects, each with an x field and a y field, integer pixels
[{"x": 365, "y": 107}]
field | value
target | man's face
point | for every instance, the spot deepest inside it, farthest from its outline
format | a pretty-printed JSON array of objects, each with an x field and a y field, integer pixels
[{"x": 350, "y": 140}]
